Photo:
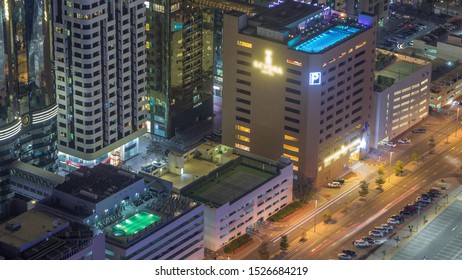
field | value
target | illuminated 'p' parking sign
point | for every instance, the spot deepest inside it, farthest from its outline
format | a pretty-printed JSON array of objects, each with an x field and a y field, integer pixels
[{"x": 315, "y": 78}]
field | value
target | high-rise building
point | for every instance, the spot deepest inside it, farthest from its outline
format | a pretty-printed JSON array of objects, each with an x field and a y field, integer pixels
[
  {"x": 380, "y": 8},
  {"x": 100, "y": 78},
  {"x": 27, "y": 99},
  {"x": 298, "y": 82},
  {"x": 180, "y": 73}
]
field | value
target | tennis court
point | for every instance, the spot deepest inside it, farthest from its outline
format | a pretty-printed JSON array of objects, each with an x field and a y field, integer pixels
[{"x": 134, "y": 223}]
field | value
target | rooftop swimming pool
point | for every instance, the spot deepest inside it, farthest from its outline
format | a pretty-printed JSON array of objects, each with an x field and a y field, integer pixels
[
  {"x": 134, "y": 224},
  {"x": 327, "y": 39}
]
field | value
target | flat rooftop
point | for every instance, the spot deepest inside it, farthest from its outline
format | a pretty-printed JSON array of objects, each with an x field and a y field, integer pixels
[
  {"x": 35, "y": 225},
  {"x": 401, "y": 67},
  {"x": 97, "y": 183},
  {"x": 229, "y": 185}
]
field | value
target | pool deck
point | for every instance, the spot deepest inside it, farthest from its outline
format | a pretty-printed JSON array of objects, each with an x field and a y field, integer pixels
[
  {"x": 136, "y": 223},
  {"x": 328, "y": 38}
]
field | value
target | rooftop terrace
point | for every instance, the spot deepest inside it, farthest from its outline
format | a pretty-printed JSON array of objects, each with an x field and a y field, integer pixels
[{"x": 231, "y": 181}]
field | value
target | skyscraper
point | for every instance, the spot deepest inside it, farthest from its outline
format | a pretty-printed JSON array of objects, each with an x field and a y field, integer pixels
[
  {"x": 27, "y": 100},
  {"x": 298, "y": 82},
  {"x": 100, "y": 78},
  {"x": 180, "y": 74}
]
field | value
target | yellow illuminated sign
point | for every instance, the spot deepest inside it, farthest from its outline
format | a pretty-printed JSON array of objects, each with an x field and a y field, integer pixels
[{"x": 267, "y": 66}]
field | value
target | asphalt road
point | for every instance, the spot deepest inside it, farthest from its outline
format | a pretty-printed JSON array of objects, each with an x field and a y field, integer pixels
[{"x": 363, "y": 216}]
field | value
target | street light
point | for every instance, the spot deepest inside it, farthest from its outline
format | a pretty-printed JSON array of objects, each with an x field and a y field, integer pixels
[
  {"x": 315, "y": 212},
  {"x": 389, "y": 168}
]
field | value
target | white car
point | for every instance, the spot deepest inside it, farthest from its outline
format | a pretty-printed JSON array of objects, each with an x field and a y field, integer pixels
[
  {"x": 389, "y": 143},
  {"x": 404, "y": 141},
  {"x": 382, "y": 229},
  {"x": 361, "y": 243},
  {"x": 344, "y": 256},
  {"x": 334, "y": 185},
  {"x": 387, "y": 226},
  {"x": 392, "y": 221},
  {"x": 376, "y": 233}
]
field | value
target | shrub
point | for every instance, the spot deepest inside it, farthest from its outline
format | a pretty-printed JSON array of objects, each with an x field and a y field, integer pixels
[
  {"x": 286, "y": 211},
  {"x": 236, "y": 243}
]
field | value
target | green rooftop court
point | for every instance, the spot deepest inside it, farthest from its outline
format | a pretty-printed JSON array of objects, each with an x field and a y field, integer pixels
[
  {"x": 228, "y": 184},
  {"x": 135, "y": 223}
]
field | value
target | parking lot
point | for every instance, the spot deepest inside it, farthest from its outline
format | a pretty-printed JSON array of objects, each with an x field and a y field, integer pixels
[{"x": 439, "y": 240}]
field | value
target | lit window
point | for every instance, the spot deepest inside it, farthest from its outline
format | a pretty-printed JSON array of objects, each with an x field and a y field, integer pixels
[
  {"x": 292, "y": 158},
  {"x": 242, "y": 128},
  {"x": 147, "y": 27},
  {"x": 291, "y": 148},
  {"x": 244, "y": 44},
  {"x": 360, "y": 45},
  {"x": 295, "y": 168},
  {"x": 243, "y": 138},
  {"x": 290, "y": 138},
  {"x": 242, "y": 147}
]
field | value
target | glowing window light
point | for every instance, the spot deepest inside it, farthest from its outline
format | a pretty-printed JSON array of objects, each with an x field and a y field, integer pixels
[
  {"x": 244, "y": 44},
  {"x": 344, "y": 150},
  {"x": 292, "y": 158},
  {"x": 290, "y": 138},
  {"x": 242, "y": 128},
  {"x": 294, "y": 62},
  {"x": 243, "y": 138},
  {"x": 291, "y": 148},
  {"x": 242, "y": 147},
  {"x": 267, "y": 66}
]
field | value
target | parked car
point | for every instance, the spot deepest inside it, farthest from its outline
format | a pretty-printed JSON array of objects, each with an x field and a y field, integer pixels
[
  {"x": 419, "y": 130},
  {"x": 344, "y": 256},
  {"x": 435, "y": 191},
  {"x": 392, "y": 221},
  {"x": 389, "y": 143},
  {"x": 382, "y": 229},
  {"x": 217, "y": 132},
  {"x": 361, "y": 243},
  {"x": 340, "y": 180},
  {"x": 368, "y": 239},
  {"x": 349, "y": 252},
  {"x": 404, "y": 141},
  {"x": 387, "y": 226},
  {"x": 376, "y": 233},
  {"x": 335, "y": 185}
]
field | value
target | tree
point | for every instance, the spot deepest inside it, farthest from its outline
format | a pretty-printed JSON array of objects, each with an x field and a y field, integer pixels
[
  {"x": 379, "y": 182},
  {"x": 399, "y": 168},
  {"x": 284, "y": 243},
  {"x": 363, "y": 188},
  {"x": 303, "y": 190},
  {"x": 415, "y": 156},
  {"x": 154, "y": 148},
  {"x": 381, "y": 171},
  {"x": 431, "y": 143},
  {"x": 263, "y": 251}
]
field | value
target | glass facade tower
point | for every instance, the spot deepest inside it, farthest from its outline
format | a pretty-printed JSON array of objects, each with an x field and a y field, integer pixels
[{"x": 27, "y": 100}]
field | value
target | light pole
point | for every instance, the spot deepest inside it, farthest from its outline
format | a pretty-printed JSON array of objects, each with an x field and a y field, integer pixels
[
  {"x": 389, "y": 168},
  {"x": 457, "y": 120},
  {"x": 315, "y": 212}
]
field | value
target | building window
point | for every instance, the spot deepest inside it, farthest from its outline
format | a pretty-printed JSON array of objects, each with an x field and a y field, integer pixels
[
  {"x": 242, "y": 128},
  {"x": 292, "y": 158},
  {"x": 242, "y": 147},
  {"x": 291, "y": 148},
  {"x": 243, "y": 138}
]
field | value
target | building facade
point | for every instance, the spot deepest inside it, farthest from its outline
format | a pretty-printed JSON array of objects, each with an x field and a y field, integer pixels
[
  {"x": 100, "y": 77},
  {"x": 27, "y": 99},
  {"x": 402, "y": 95},
  {"x": 294, "y": 91},
  {"x": 180, "y": 66}
]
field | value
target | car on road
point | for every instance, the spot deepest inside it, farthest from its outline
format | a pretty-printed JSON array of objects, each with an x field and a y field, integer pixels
[
  {"x": 404, "y": 141},
  {"x": 392, "y": 221},
  {"x": 368, "y": 239},
  {"x": 376, "y": 233},
  {"x": 344, "y": 256},
  {"x": 361, "y": 243},
  {"x": 419, "y": 130},
  {"x": 340, "y": 180},
  {"x": 389, "y": 143},
  {"x": 334, "y": 185},
  {"x": 349, "y": 252}
]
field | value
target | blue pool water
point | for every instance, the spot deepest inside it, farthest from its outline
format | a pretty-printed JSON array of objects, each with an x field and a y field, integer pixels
[{"x": 327, "y": 39}]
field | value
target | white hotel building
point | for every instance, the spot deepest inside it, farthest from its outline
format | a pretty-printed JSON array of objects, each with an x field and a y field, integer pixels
[{"x": 299, "y": 83}]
